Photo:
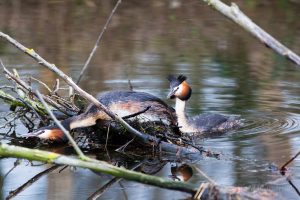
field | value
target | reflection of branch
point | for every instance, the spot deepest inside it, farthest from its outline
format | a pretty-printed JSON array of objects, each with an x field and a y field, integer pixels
[
  {"x": 16, "y": 163},
  {"x": 31, "y": 181},
  {"x": 101, "y": 190},
  {"x": 234, "y": 13},
  {"x": 105, "y": 187},
  {"x": 191, "y": 153},
  {"x": 293, "y": 186},
  {"x": 98, "y": 41}
]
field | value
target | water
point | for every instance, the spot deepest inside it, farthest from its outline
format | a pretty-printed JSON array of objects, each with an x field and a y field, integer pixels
[{"x": 230, "y": 73}]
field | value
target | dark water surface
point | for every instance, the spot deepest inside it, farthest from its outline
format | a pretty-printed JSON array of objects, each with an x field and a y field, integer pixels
[{"x": 230, "y": 73}]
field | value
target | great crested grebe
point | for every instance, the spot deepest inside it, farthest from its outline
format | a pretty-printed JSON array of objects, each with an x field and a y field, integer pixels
[
  {"x": 122, "y": 103},
  {"x": 204, "y": 123}
]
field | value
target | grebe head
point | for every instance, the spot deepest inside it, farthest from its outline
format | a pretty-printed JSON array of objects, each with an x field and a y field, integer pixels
[
  {"x": 179, "y": 88},
  {"x": 50, "y": 133}
]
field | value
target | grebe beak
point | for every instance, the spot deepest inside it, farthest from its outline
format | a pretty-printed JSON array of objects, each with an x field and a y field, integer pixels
[
  {"x": 52, "y": 135},
  {"x": 171, "y": 95}
]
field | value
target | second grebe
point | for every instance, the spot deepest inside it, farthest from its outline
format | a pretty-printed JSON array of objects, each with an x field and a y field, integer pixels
[
  {"x": 122, "y": 103},
  {"x": 204, "y": 123}
]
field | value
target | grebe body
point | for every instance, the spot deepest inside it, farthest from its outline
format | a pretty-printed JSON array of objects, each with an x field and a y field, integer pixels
[
  {"x": 122, "y": 103},
  {"x": 204, "y": 123}
]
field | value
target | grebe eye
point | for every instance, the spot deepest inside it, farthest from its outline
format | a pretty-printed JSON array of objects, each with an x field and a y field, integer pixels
[{"x": 175, "y": 89}]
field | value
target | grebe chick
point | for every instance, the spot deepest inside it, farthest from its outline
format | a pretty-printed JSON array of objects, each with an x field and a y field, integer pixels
[
  {"x": 204, "y": 123},
  {"x": 122, "y": 103}
]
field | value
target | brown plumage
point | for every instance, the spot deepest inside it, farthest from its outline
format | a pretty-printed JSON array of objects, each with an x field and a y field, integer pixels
[{"x": 122, "y": 103}]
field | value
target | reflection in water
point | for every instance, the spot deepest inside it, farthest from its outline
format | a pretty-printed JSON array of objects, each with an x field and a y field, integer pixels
[
  {"x": 229, "y": 71},
  {"x": 182, "y": 172}
]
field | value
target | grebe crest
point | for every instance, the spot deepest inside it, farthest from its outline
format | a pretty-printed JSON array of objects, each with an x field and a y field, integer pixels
[{"x": 204, "y": 123}]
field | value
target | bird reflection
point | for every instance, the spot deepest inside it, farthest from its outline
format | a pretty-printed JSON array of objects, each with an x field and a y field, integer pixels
[{"x": 181, "y": 172}]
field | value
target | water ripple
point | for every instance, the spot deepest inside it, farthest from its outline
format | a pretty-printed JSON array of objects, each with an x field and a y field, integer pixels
[{"x": 261, "y": 123}]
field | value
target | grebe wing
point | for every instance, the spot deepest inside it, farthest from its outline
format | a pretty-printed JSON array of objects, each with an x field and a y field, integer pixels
[
  {"x": 111, "y": 97},
  {"x": 209, "y": 120}
]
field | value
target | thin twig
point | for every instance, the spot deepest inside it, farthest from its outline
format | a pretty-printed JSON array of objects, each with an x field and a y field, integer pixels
[
  {"x": 98, "y": 41},
  {"x": 122, "y": 148},
  {"x": 33, "y": 110},
  {"x": 42, "y": 83},
  {"x": 26, "y": 87},
  {"x": 283, "y": 168},
  {"x": 106, "y": 140},
  {"x": 31, "y": 181},
  {"x": 16, "y": 163},
  {"x": 70, "y": 138},
  {"x": 8, "y": 122},
  {"x": 206, "y": 176},
  {"x": 137, "y": 113}
]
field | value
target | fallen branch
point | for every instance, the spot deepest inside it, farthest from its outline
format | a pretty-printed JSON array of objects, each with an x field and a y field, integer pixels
[
  {"x": 206, "y": 191},
  {"x": 101, "y": 166},
  {"x": 191, "y": 153},
  {"x": 234, "y": 13}
]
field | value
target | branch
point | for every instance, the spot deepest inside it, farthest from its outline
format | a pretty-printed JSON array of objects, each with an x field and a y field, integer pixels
[
  {"x": 70, "y": 138},
  {"x": 98, "y": 41},
  {"x": 234, "y": 13},
  {"x": 101, "y": 166},
  {"x": 23, "y": 86}
]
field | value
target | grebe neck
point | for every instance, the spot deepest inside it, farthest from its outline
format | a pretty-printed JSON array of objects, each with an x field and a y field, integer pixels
[
  {"x": 180, "y": 107},
  {"x": 79, "y": 121},
  {"x": 182, "y": 118}
]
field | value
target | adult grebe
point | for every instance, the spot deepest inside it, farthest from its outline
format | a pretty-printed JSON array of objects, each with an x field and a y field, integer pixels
[
  {"x": 122, "y": 103},
  {"x": 204, "y": 123}
]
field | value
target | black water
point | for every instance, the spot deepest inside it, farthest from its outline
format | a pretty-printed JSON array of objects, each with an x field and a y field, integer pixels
[{"x": 230, "y": 73}]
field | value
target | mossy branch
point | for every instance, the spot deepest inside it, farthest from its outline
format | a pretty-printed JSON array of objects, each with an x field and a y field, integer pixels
[{"x": 101, "y": 166}]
